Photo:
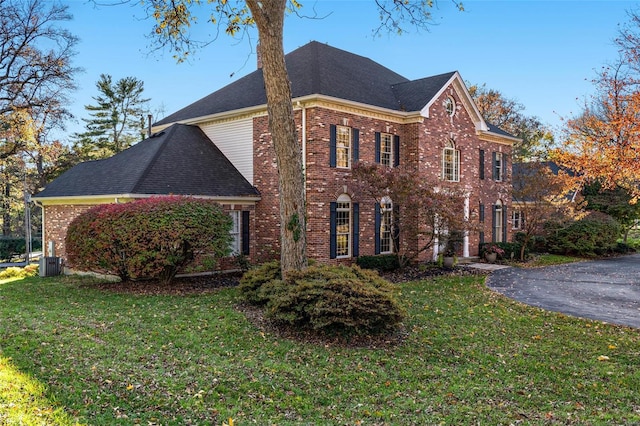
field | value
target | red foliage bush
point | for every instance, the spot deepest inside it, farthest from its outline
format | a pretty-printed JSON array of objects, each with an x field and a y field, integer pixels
[{"x": 149, "y": 238}]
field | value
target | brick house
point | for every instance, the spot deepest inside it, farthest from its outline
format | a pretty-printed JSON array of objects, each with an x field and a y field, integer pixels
[{"x": 347, "y": 109}]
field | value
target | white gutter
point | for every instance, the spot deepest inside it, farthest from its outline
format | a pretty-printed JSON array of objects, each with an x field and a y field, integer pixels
[
  {"x": 116, "y": 197},
  {"x": 38, "y": 203},
  {"x": 308, "y": 99}
]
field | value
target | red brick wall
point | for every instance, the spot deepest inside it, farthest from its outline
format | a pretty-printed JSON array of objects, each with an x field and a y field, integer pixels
[
  {"x": 56, "y": 221},
  {"x": 421, "y": 148}
]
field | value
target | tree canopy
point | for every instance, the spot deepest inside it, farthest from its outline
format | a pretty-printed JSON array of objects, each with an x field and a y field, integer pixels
[
  {"x": 603, "y": 142},
  {"x": 35, "y": 66},
  {"x": 508, "y": 114},
  {"x": 117, "y": 119}
]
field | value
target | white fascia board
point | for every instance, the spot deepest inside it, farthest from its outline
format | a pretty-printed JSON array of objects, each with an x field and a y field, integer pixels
[
  {"x": 98, "y": 199},
  {"x": 297, "y": 104},
  {"x": 465, "y": 96}
]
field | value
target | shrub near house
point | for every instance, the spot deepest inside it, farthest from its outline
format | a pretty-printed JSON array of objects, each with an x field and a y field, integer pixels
[{"x": 149, "y": 238}]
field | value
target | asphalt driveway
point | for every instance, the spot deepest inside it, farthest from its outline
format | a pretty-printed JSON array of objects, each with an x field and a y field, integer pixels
[{"x": 606, "y": 290}]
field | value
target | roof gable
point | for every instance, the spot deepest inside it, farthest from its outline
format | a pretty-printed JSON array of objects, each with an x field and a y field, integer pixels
[
  {"x": 320, "y": 69},
  {"x": 314, "y": 69},
  {"x": 180, "y": 160}
]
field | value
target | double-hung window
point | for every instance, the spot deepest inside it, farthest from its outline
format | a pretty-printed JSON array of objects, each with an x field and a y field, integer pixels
[
  {"x": 386, "y": 149},
  {"x": 240, "y": 238},
  {"x": 236, "y": 237},
  {"x": 517, "y": 219},
  {"x": 343, "y": 146},
  {"x": 499, "y": 166}
]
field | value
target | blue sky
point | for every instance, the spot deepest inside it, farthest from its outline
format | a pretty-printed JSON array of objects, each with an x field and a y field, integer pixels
[{"x": 543, "y": 54}]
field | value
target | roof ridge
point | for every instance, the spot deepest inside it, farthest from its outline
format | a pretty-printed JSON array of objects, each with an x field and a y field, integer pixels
[{"x": 165, "y": 137}]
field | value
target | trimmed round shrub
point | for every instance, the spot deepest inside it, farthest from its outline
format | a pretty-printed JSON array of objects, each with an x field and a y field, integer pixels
[
  {"x": 150, "y": 238},
  {"x": 330, "y": 299}
]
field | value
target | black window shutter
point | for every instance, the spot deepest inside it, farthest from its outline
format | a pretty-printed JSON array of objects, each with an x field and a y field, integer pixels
[
  {"x": 504, "y": 167},
  {"x": 376, "y": 228},
  {"x": 481, "y": 237},
  {"x": 332, "y": 230},
  {"x": 493, "y": 166},
  {"x": 332, "y": 145},
  {"x": 245, "y": 233},
  {"x": 482, "y": 164},
  {"x": 378, "y": 144},
  {"x": 493, "y": 223},
  {"x": 396, "y": 151},
  {"x": 356, "y": 229},
  {"x": 396, "y": 227},
  {"x": 355, "y": 139},
  {"x": 481, "y": 213},
  {"x": 504, "y": 224}
]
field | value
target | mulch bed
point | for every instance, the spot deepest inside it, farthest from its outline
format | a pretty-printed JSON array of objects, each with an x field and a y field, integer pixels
[
  {"x": 208, "y": 283},
  {"x": 180, "y": 286},
  {"x": 184, "y": 286}
]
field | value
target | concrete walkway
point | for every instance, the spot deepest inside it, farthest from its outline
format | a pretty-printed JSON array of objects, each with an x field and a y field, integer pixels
[{"x": 606, "y": 290}]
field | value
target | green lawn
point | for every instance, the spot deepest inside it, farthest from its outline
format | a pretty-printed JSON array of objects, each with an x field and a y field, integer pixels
[{"x": 469, "y": 357}]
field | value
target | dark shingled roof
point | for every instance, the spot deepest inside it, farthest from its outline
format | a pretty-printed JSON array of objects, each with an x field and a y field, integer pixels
[
  {"x": 181, "y": 160},
  {"x": 317, "y": 68}
]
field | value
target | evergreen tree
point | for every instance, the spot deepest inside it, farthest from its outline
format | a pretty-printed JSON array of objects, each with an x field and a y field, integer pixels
[{"x": 117, "y": 120}]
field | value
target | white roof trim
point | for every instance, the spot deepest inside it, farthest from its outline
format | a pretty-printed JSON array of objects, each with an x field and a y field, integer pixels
[
  {"x": 115, "y": 197},
  {"x": 465, "y": 96},
  {"x": 297, "y": 104}
]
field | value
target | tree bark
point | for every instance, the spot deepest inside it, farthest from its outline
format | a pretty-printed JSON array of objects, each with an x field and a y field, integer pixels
[{"x": 269, "y": 18}]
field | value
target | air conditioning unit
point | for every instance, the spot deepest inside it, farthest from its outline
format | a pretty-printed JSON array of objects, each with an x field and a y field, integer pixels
[{"x": 50, "y": 266}]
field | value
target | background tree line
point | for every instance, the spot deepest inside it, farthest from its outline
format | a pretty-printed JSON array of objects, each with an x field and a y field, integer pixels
[{"x": 37, "y": 77}]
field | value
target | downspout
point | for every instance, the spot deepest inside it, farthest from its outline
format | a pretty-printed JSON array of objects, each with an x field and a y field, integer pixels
[
  {"x": 304, "y": 144},
  {"x": 38, "y": 203},
  {"x": 465, "y": 240}
]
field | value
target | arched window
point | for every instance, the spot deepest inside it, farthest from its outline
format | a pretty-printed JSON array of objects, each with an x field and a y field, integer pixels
[
  {"x": 386, "y": 225},
  {"x": 450, "y": 162},
  {"x": 344, "y": 225},
  {"x": 498, "y": 221},
  {"x": 450, "y": 106}
]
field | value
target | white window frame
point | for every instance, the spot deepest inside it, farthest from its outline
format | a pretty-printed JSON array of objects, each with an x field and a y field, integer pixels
[
  {"x": 516, "y": 219},
  {"x": 344, "y": 225},
  {"x": 498, "y": 166},
  {"x": 343, "y": 147},
  {"x": 236, "y": 232},
  {"x": 450, "y": 163},
  {"x": 450, "y": 106},
  {"x": 386, "y": 226},
  {"x": 497, "y": 230},
  {"x": 386, "y": 149}
]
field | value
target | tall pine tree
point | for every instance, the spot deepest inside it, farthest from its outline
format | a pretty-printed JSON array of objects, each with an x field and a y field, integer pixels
[{"x": 117, "y": 119}]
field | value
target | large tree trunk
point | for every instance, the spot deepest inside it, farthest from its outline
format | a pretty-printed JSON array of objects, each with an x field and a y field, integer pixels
[{"x": 269, "y": 18}]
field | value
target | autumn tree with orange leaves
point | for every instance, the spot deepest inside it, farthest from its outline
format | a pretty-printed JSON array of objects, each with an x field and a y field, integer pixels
[{"x": 603, "y": 143}]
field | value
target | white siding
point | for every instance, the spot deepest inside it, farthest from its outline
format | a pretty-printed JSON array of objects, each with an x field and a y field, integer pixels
[{"x": 235, "y": 140}]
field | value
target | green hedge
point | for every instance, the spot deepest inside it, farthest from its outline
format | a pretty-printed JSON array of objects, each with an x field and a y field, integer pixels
[
  {"x": 381, "y": 262},
  {"x": 595, "y": 234},
  {"x": 10, "y": 247}
]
